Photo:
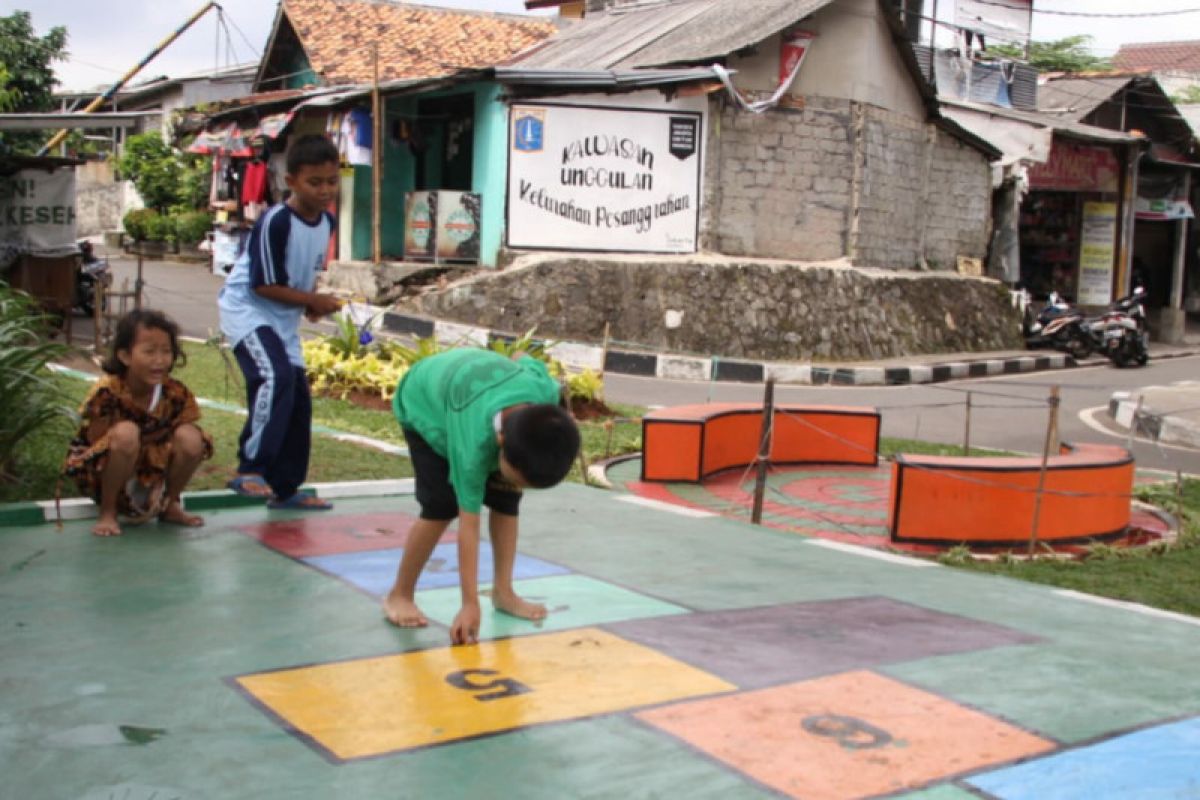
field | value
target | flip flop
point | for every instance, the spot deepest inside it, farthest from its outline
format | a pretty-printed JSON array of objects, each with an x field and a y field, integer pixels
[
  {"x": 300, "y": 502},
  {"x": 241, "y": 485}
]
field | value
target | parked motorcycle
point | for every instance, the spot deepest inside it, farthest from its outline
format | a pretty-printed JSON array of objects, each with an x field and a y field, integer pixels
[
  {"x": 1120, "y": 332},
  {"x": 92, "y": 270},
  {"x": 1059, "y": 325}
]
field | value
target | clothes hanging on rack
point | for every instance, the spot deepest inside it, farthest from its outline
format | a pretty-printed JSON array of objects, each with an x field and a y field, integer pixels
[{"x": 254, "y": 184}]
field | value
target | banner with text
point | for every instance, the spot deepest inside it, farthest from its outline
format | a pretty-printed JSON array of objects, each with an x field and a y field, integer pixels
[
  {"x": 37, "y": 213},
  {"x": 1099, "y": 249},
  {"x": 587, "y": 178}
]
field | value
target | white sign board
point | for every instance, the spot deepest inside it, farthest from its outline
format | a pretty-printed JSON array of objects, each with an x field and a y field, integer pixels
[
  {"x": 1097, "y": 251},
  {"x": 597, "y": 178},
  {"x": 37, "y": 213}
]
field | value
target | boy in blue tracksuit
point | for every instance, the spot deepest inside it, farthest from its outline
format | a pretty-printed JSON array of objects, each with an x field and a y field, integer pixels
[{"x": 270, "y": 287}]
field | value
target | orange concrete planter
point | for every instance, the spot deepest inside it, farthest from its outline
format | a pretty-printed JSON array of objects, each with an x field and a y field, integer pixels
[
  {"x": 689, "y": 443},
  {"x": 990, "y": 501}
]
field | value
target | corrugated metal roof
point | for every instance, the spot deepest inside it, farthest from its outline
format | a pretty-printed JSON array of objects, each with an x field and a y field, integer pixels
[
  {"x": 673, "y": 32},
  {"x": 1061, "y": 125},
  {"x": 603, "y": 78},
  {"x": 1075, "y": 98}
]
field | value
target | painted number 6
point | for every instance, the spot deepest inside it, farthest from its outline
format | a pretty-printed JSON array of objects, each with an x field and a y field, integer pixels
[{"x": 486, "y": 690}]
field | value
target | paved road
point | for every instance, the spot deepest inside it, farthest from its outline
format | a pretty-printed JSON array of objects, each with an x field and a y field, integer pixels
[{"x": 1008, "y": 412}]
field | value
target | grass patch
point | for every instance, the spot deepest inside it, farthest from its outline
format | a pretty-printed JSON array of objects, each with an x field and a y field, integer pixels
[
  {"x": 1163, "y": 576},
  {"x": 890, "y": 447}
]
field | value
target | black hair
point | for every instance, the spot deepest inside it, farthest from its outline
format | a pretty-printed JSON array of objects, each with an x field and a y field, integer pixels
[
  {"x": 540, "y": 442},
  {"x": 311, "y": 150},
  {"x": 126, "y": 335}
]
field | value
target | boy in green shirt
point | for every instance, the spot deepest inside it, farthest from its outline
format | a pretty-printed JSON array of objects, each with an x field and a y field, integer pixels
[{"x": 480, "y": 427}]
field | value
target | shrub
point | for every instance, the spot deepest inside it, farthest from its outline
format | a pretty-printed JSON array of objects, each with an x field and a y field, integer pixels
[
  {"x": 28, "y": 399},
  {"x": 160, "y": 228},
  {"x": 137, "y": 223},
  {"x": 192, "y": 226}
]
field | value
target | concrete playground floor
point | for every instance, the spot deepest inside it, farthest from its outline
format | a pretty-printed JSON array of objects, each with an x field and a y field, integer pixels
[{"x": 684, "y": 656}]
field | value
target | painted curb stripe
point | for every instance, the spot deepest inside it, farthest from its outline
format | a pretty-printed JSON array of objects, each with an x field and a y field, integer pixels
[
  {"x": 867, "y": 552},
  {"x": 659, "y": 505},
  {"x": 1136, "y": 608}
]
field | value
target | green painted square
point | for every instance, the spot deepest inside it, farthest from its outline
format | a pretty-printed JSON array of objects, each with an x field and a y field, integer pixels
[
  {"x": 574, "y": 601},
  {"x": 21, "y": 514}
]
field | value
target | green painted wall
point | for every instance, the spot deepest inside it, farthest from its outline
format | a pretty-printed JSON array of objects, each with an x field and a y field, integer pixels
[{"x": 490, "y": 169}]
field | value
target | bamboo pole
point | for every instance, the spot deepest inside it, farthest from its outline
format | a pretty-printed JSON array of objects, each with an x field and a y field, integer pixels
[
  {"x": 1051, "y": 437},
  {"x": 604, "y": 349},
  {"x": 376, "y": 161},
  {"x": 764, "y": 450}
]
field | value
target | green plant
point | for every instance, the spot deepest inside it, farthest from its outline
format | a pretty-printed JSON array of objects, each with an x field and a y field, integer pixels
[
  {"x": 28, "y": 398},
  {"x": 137, "y": 223},
  {"x": 154, "y": 168},
  {"x": 956, "y": 556},
  {"x": 195, "y": 181},
  {"x": 192, "y": 226},
  {"x": 585, "y": 387},
  {"x": 425, "y": 347}
]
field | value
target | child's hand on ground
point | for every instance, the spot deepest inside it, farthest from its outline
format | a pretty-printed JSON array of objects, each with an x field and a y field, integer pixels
[{"x": 465, "y": 629}]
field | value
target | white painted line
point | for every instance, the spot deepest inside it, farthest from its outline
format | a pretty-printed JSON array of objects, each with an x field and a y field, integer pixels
[
  {"x": 1136, "y": 608},
  {"x": 659, "y": 505},
  {"x": 868, "y": 552},
  {"x": 920, "y": 373},
  {"x": 363, "y": 488},
  {"x": 374, "y": 444},
  {"x": 72, "y": 508}
]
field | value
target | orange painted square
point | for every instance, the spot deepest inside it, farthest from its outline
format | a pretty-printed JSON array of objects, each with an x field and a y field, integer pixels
[{"x": 851, "y": 735}]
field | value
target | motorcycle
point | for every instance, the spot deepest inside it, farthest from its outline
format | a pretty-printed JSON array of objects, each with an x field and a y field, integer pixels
[
  {"x": 1059, "y": 325},
  {"x": 92, "y": 270},
  {"x": 1120, "y": 332}
]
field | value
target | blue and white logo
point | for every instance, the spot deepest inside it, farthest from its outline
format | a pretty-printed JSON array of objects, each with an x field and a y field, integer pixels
[{"x": 528, "y": 127}]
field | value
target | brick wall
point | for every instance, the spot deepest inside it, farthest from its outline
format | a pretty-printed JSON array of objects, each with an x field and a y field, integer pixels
[{"x": 782, "y": 185}]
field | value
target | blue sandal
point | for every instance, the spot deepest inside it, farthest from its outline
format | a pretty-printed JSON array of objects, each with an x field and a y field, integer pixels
[
  {"x": 300, "y": 502},
  {"x": 242, "y": 485}
]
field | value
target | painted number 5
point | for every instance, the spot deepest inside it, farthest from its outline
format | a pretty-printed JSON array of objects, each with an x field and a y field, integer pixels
[
  {"x": 488, "y": 689},
  {"x": 851, "y": 733}
]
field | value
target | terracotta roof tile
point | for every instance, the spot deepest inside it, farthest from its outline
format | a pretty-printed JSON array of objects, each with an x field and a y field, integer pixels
[
  {"x": 1159, "y": 56},
  {"x": 414, "y": 41}
]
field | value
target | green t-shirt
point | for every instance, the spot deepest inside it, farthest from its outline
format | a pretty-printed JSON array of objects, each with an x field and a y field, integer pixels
[{"x": 451, "y": 399}]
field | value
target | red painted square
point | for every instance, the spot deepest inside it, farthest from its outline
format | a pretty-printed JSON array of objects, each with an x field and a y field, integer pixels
[
  {"x": 852, "y": 735},
  {"x": 328, "y": 534}
]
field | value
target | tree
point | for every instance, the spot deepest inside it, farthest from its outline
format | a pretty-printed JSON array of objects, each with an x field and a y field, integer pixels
[
  {"x": 26, "y": 59},
  {"x": 154, "y": 169},
  {"x": 1061, "y": 55},
  {"x": 1190, "y": 95}
]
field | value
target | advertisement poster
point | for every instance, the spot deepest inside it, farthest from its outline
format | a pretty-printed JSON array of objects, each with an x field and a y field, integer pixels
[
  {"x": 596, "y": 178},
  {"x": 1097, "y": 252},
  {"x": 792, "y": 47},
  {"x": 457, "y": 226},
  {"x": 420, "y": 209}
]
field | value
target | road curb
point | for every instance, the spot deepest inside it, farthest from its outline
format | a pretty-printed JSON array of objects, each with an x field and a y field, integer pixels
[
  {"x": 40, "y": 512},
  {"x": 715, "y": 368}
]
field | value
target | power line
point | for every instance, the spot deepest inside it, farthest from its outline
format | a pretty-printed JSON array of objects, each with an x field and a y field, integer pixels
[{"x": 1092, "y": 14}]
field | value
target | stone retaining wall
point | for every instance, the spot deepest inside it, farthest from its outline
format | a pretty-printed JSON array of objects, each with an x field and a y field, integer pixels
[{"x": 735, "y": 308}]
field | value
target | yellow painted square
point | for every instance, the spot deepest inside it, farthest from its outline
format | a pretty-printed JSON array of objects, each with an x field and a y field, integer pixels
[{"x": 371, "y": 706}]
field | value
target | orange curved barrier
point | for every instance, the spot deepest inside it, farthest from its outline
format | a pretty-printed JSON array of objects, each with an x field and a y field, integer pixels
[
  {"x": 990, "y": 501},
  {"x": 689, "y": 443}
]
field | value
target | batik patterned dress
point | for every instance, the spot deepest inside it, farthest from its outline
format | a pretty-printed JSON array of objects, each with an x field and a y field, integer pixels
[{"x": 110, "y": 401}]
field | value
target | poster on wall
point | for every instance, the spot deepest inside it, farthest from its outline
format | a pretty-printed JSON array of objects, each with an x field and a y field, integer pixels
[
  {"x": 1097, "y": 252},
  {"x": 457, "y": 226},
  {"x": 420, "y": 210},
  {"x": 37, "y": 213},
  {"x": 597, "y": 178}
]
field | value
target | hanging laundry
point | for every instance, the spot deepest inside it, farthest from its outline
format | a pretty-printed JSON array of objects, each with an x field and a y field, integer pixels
[{"x": 254, "y": 184}]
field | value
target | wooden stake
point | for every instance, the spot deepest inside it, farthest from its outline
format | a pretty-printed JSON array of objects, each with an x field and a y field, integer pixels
[
  {"x": 97, "y": 312},
  {"x": 764, "y": 450},
  {"x": 1051, "y": 437},
  {"x": 967, "y": 431},
  {"x": 604, "y": 351},
  {"x": 137, "y": 286}
]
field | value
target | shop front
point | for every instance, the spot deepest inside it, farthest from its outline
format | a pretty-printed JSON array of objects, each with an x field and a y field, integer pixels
[{"x": 1072, "y": 223}]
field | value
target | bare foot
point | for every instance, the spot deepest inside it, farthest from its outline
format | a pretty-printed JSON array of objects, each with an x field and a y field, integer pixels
[
  {"x": 403, "y": 613},
  {"x": 107, "y": 525},
  {"x": 512, "y": 604},
  {"x": 175, "y": 515}
]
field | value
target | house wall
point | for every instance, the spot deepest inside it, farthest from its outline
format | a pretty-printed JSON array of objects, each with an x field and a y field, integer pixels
[
  {"x": 786, "y": 186},
  {"x": 853, "y": 58}
]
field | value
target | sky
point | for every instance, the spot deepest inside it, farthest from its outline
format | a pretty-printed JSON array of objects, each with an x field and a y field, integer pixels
[{"x": 107, "y": 37}]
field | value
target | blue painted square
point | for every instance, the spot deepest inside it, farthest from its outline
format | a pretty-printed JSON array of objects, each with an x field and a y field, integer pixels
[
  {"x": 375, "y": 570},
  {"x": 1158, "y": 762},
  {"x": 528, "y": 127}
]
